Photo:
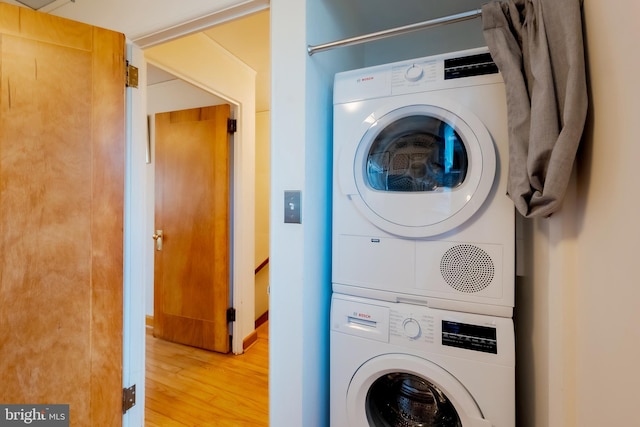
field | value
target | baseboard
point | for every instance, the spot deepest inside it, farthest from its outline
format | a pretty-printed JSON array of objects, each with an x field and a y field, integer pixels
[
  {"x": 262, "y": 319},
  {"x": 249, "y": 340},
  {"x": 246, "y": 343}
]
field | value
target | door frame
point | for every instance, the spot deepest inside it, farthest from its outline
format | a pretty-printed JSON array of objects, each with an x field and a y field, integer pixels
[
  {"x": 134, "y": 329},
  {"x": 140, "y": 215}
]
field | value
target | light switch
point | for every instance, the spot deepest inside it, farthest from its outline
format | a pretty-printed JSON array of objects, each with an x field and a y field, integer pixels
[{"x": 292, "y": 207}]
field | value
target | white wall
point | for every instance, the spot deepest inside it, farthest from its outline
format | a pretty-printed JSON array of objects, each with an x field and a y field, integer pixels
[
  {"x": 545, "y": 320},
  {"x": 200, "y": 61},
  {"x": 447, "y": 38},
  {"x": 577, "y": 308},
  {"x": 607, "y": 282},
  {"x": 174, "y": 95},
  {"x": 263, "y": 195},
  {"x": 299, "y": 267},
  {"x": 286, "y": 317},
  {"x": 263, "y": 176}
]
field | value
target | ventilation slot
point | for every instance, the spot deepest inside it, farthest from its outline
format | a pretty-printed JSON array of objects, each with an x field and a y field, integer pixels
[{"x": 467, "y": 268}]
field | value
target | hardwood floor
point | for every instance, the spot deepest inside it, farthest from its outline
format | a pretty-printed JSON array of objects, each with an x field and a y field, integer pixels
[{"x": 186, "y": 386}]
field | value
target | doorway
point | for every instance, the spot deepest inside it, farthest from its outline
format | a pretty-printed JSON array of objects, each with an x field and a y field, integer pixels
[
  {"x": 162, "y": 72},
  {"x": 167, "y": 94},
  {"x": 172, "y": 64}
]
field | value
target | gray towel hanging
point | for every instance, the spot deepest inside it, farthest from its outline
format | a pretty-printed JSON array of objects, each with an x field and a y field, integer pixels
[{"x": 538, "y": 47}]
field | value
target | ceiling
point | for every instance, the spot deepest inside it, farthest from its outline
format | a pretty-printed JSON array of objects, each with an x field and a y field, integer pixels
[
  {"x": 147, "y": 22},
  {"x": 247, "y": 39}
]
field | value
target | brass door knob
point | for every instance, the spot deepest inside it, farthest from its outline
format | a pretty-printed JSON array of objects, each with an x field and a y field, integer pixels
[{"x": 158, "y": 238}]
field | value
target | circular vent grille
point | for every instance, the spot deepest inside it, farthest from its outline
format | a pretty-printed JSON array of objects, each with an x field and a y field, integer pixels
[{"x": 467, "y": 268}]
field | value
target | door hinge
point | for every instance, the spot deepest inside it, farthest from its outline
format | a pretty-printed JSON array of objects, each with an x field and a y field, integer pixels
[
  {"x": 132, "y": 76},
  {"x": 128, "y": 398},
  {"x": 231, "y": 314},
  {"x": 232, "y": 125}
]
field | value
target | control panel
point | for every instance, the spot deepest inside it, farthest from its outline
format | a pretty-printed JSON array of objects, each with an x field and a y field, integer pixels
[
  {"x": 416, "y": 74},
  {"x": 422, "y": 73},
  {"x": 420, "y": 328},
  {"x": 407, "y": 326},
  {"x": 471, "y": 337},
  {"x": 468, "y": 66},
  {"x": 472, "y": 67},
  {"x": 424, "y": 330}
]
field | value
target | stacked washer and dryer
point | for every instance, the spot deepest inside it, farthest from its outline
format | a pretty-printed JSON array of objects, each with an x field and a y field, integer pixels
[{"x": 423, "y": 246}]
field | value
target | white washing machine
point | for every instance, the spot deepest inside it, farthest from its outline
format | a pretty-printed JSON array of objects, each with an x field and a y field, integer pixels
[
  {"x": 420, "y": 211},
  {"x": 395, "y": 364}
]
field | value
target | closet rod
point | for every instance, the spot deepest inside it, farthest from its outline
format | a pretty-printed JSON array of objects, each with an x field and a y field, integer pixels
[{"x": 451, "y": 19}]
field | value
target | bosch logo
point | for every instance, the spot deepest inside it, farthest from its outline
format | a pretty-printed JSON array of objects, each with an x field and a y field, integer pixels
[
  {"x": 362, "y": 315},
  {"x": 365, "y": 79}
]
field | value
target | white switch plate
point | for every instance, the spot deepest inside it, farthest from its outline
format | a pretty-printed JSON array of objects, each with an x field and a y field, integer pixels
[{"x": 292, "y": 207}]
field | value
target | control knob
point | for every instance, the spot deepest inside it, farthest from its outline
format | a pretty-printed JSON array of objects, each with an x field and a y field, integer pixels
[
  {"x": 411, "y": 328},
  {"x": 413, "y": 73}
]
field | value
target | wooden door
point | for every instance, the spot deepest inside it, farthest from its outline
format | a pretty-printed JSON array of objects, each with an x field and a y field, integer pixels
[
  {"x": 192, "y": 209},
  {"x": 61, "y": 214}
]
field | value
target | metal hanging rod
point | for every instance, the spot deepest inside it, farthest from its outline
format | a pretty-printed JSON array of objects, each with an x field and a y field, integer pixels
[{"x": 451, "y": 19}]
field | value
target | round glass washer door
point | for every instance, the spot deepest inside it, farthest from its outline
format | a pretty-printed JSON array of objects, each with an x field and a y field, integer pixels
[
  {"x": 403, "y": 390},
  {"x": 422, "y": 170}
]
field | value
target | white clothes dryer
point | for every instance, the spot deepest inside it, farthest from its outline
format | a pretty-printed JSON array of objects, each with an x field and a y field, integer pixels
[
  {"x": 420, "y": 211},
  {"x": 395, "y": 364}
]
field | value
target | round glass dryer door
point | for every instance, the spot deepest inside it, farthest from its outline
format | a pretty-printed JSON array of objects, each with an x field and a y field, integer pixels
[
  {"x": 422, "y": 170},
  {"x": 402, "y": 390}
]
